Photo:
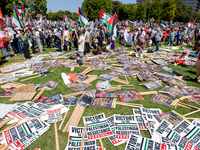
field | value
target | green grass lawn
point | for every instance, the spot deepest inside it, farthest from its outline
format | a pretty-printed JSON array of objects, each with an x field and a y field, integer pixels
[{"x": 47, "y": 140}]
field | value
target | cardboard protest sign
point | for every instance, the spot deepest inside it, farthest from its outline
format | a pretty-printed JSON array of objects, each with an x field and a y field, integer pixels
[
  {"x": 25, "y": 92},
  {"x": 164, "y": 100},
  {"x": 79, "y": 86},
  {"x": 105, "y": 94},
  {"x": 54, "y": 115},
  {"x": 113, "y": 139},
  {"x": 75, "y": 138},
  {"x": 70, "y": 101},
  {"x": 138, "y": 116},
  {"x": 142, "y": 143},
  {"x": 8, "y": 93},
  {"x": 175, "y": 92},
  {"x": 172, "y": 117},
  {"x": 148, "y": 117},
  {"x": 152, "y": 85},
  {"x": 104, "y": 102},
  {"x": 132, "y": 95},
  {"x": 51, "y": 99},
  {"x": 21, "y": 131},
  {"x": 98, "y": 127},
  {"x": 124, "y": 126},
  {"x": 49, "y": 85},
  {"x": 106, "y": 77}
]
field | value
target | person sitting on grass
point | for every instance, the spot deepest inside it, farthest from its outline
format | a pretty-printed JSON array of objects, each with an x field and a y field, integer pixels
[
  {"x": 180, "y": 60},
  {"x": 138, "y": 51},
  {"x": 98, "y": 50}
]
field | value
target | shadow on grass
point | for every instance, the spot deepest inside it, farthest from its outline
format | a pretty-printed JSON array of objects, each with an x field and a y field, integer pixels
[{"x": 192, "y": 72}]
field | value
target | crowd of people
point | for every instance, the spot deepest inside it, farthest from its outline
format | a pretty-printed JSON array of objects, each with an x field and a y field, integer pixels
[{"x": 61, "y": 37}]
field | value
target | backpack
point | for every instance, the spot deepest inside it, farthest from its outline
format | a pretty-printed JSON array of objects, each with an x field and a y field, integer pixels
[
  {"x": 15, "y": 39},
  {"x": 41, "y": 35},
  {"x": 5, "y": 41}
]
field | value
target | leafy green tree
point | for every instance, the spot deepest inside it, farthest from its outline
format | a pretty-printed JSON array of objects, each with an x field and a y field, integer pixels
[
  {"x": 169, "y": 9},
  {"x": 92, "y": 8},
  {"x": 74, "y": 16},
  {"x": 141, "y": 12},
  {"x": 130, "y": 11},
  {"x": 31, "y": 6},
  {"x": 156, "y": 9},
  {"x": 183, "y": 12}
]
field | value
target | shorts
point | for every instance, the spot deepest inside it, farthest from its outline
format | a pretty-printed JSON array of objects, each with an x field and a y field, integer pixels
[{"x": 67, "y": 43}]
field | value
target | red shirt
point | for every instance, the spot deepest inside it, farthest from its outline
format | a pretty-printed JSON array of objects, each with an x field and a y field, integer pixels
[{"x": 199, "y": 55}]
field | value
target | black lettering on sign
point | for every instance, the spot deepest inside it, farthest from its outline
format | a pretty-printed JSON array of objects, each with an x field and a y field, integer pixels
[
  {"x": 14, "y": 134},
  {"x": 176, "y": 138},
  {"x": 21, "y": 131},
  {"x": 180, "y": 128},
  {"x": 150, "y": 145},
  {"x": 162, "y": 127},
  {"x": 182, "y": 143}
]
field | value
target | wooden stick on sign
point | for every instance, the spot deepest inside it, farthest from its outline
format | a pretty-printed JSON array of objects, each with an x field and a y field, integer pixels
[
  {"x": 39, "y": 94},
  {"x": 3, "y": 123},
  {"x": 101, "y": 143},
  {"x": 192, "y": 113},
  {"x": 56, "y": 136},
  {"x": 63, "y": 119},
  {"x": 83, "y": 137},
  {"x": 30, "y": 78}
]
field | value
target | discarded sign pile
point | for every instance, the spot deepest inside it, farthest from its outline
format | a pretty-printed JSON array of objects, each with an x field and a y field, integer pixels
[{"x": 168, "y": 130}]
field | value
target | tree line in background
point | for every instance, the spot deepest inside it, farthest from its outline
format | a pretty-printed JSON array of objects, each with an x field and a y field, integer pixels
[
  {"x": 59, "y": 15},
  {"x": 158, "y": 9},
  {"x": 33, "y": 7}
]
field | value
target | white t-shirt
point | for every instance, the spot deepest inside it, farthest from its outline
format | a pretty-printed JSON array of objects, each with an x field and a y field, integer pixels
[
  {"x": 66, "y": 34},
  {"x": 183, "y": 57},
  {"x": 82, "y": 43}
]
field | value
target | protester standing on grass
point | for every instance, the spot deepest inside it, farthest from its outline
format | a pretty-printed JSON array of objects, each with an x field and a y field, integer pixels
[
  {"x": 198, "y": 68},
  {"x": 66, "y": 39},
  {"x": 158, "y": 37},
  {"x": 32, "y": 41},
  {"x": 87, "y": 40},
  {"x": 38, "y": 40},
  {"x": 81, "y": 46},
  {"x": 24, "y": 38}
]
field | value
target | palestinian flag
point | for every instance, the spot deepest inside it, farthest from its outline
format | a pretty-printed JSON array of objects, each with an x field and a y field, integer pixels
[
  {"x": 111, "y": 25},
  {"x": 1, "y": 15},
  {"x": 16, "y": 20},
  {"x": 152, "y": 20},
  {"x": 64, "y": 18},
  {"x": 82, "y": 17},
  {"x": 21, "y": 10},
  {"x": 162, "y": 25},
  {"x": 104, "y": 17},
  {"x": 171, "y": 22}
]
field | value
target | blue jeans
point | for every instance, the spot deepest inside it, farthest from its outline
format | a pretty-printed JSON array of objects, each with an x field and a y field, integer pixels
[
  {"x": 20, "y": 46},
  {"x": 170, "y": 42},
  {"x": 59, "y": 45},
  {"x": 157, "y": 45},
  {"x": 6, "y": 50}
]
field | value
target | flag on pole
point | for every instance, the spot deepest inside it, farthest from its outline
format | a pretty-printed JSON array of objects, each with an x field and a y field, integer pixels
[
  {"x": 170, "y": 22},
  {"x": 152, "y": 19},
  {"x": 21, "y": 10},
  {"x": 16, "y": 20},
  {"x": 82, "y": 18},
  {"x": 65, "y": 19},
  {"x": 162, "y": 25},
  {"x": 1, "y": 15},
  {"x": 104, "y": 17},
  {"x": 111, "y": 25}
]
